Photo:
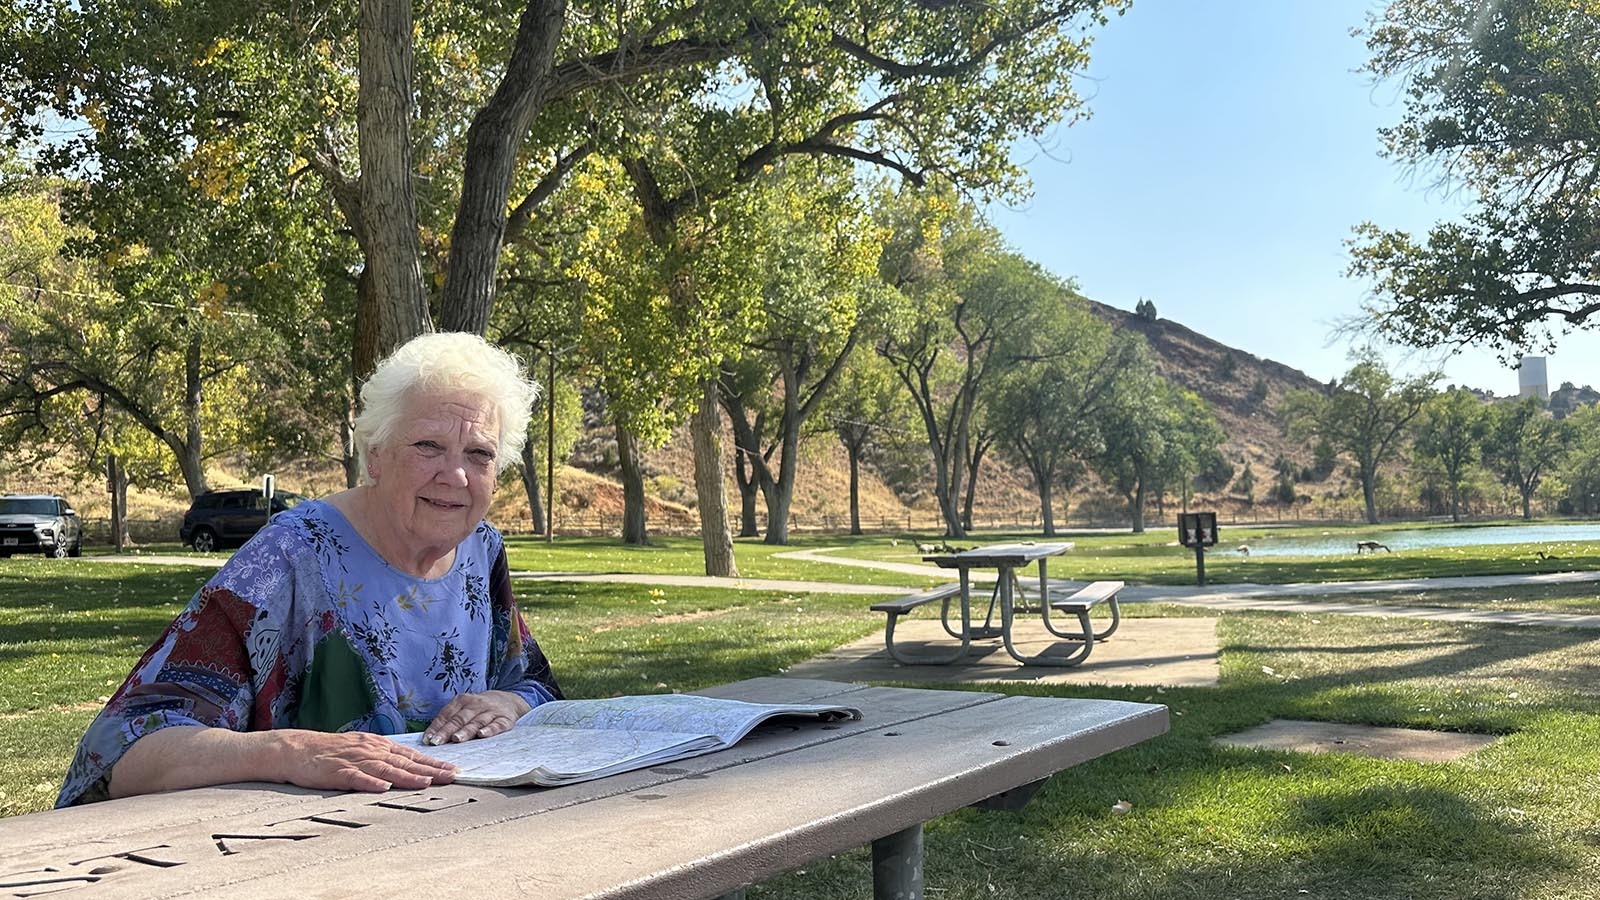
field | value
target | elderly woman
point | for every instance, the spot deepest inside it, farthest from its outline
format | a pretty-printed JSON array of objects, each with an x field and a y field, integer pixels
[{"x": 383, "y": 609}]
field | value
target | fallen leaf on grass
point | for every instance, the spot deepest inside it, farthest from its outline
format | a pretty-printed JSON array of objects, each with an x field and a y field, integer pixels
[{"x": 1122, "y": 807}]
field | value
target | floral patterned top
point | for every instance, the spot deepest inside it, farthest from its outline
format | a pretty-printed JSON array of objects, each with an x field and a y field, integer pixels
[{"x": 308, "y": 627}]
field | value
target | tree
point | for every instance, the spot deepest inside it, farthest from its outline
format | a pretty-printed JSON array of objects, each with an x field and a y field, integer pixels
[
  {"x": 1365, "y": 413},
  {"x": 195, "y": 356},
  {"x": 968, "y": 296},
  {"x": 1135, "y": 429},
  {"x": 1450, "y": 433},
  {"x": 1581, "y": 468},
  {"x": 1191, "y": 447},
  {"x": 1246, "y": 484},
  {"x": 1501, "y": 97},
  {"x": 867, "y": 402},
  {"x": 1522, "y": 445},
  {"x": 1045, "y": 408},
  {"x": 815, "y": 302}
]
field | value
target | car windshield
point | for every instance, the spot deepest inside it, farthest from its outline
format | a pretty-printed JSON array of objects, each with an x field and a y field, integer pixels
[
  {"x": 286, "y": 501},
  {"x": 27, "y": 506}
]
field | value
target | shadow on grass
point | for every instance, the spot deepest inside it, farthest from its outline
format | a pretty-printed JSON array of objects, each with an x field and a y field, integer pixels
[{"x": 1547, "y": 655}]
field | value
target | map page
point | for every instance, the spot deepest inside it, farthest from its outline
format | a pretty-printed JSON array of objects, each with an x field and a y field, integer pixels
[
  {"x": 567, "y": 741},
  {"x": 549, "y": 755},
  {"x": 728, "y": 720}
]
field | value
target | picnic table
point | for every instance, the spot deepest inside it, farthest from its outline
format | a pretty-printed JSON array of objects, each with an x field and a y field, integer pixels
[
  {"x": 1007, "y": 599},
  {"x": 790, "y": 793}
]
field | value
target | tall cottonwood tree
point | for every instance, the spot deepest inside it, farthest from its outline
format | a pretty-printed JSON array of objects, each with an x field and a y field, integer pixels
[
  {"x": 1523, "y": 444},
  {"x": 867, "y": 405},
  {"x": 1046, "y": 408},
  {"x": 1135, "y": 429},
  {"x": 1500, "y": 101},
  {"x": 817, "y": 297},
  {"x": 967, "y": 296},
  {"x": 1451, "y": 433},
  {"x": 1367, "y": 413}
]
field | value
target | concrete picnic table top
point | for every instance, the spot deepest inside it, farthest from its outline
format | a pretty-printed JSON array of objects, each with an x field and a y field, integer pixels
[{"x": 702, "y": 827}]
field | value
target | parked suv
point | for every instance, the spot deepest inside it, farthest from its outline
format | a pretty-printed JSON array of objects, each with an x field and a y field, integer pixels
[
  {"x": 217, "y": 518},
  {"x": 39, "y": 523}
]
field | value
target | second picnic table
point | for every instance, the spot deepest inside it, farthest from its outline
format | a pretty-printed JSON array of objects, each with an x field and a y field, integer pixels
[{"x": 1006, "y": 559}]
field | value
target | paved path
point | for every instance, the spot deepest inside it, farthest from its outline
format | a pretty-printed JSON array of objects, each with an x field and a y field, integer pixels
[{"x": 1227, "y": 597}]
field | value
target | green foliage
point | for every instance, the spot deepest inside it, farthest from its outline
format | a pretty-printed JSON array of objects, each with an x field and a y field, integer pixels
[
  {"x": 1580, "y": 471},
  {"x": 1500, "y": 97},
  {"x": 1366, "y": 413},
  {"x": 1450, "y": 434},
  {"x": 1522, "y": 444},
  {"x": 1246, "y": 484},
  {"x": 1258, "y": 392},
  {"x": 1283, "y": 490},
  {"x": 1045, "y": 407},
  {"x": 147, "y": 355}
]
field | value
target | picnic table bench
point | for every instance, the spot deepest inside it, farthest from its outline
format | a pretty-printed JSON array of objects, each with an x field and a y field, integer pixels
[
  {"x": 789, "y": 793},
  {"x": 1010, "y": 597}
]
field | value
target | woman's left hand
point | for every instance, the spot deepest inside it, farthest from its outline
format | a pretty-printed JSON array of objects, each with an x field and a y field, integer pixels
[{"x": 471, "y": 716}]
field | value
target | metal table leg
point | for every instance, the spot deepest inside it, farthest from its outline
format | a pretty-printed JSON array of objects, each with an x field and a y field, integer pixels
[
  {"x": 1008, "y": 616},
  {"x": 897, "y": 865},
  {"x": 936, "y": 659}
]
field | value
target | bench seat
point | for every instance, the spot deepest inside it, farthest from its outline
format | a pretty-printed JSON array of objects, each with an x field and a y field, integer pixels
[
  {"x": 909, "y": 602},
  {"x": 1086, "y": 598},
  {"x": 899, "y": 607}
]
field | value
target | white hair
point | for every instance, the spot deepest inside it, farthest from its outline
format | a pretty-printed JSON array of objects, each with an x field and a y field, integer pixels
[{"x": 446, "y": 360}]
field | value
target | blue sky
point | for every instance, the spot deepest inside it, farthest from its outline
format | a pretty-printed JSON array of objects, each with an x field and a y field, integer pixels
[{"x": 1232, "y": 147}]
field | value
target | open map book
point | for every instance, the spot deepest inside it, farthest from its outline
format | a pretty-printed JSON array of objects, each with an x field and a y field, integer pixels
[{"x": 567, "y": 741}]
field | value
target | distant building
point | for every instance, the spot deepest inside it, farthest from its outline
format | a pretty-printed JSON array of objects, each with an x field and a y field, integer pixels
[{"x": 1531, "y": 378}]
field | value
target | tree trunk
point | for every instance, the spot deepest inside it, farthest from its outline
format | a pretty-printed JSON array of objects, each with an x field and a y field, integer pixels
[
  {"x": 364, "y": 355},
  {"x": 782, "y": 493},
  {"x": 746, "y": 480},
  {"x": 855, "y": 489},
  {"x": 973, "y": 463},
  {"x": 1455, "y": 501},
  {"x": 1046, "y": 511},
  {"x": 1527, "y": 504},
  {"x": 530, "y": 485},
  {"x": 747, "y": 462},
  {"x": 957, "y": 462},
  {"x": 705, "y": 426},
  {"x": 1369, "y": 495},
  {"x": 633, "y": 531},
  {"x": 188, "y": 451},
  {"x": 778, "y": 515},
  {"x": 495, "y": 136},
  {"x": 117, "y": 483},
  {"x": 1137, "y": 504},
  {"x": 388, "y": 197}
]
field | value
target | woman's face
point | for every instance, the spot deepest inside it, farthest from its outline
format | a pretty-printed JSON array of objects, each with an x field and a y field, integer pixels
[{"x": 435, "y": 475}]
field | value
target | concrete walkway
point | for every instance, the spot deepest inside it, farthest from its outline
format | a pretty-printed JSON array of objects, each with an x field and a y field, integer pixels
[{"x": 1227, "y": 597}]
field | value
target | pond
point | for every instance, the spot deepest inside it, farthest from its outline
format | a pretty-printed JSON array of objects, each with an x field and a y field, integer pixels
[{"x": 1344, "y": 543}]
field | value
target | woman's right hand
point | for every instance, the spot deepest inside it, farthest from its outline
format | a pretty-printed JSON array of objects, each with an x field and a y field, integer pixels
[{"x": 352, "y": 761}]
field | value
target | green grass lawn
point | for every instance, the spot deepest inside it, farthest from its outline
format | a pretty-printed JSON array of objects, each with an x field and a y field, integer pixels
[
  {"x": 1516, "y": 820},
  {"x": 1150, "y": 558}
]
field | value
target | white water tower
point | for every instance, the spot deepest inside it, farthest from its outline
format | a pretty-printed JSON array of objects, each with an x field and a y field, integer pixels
[{"x": 1531, "y": 378}]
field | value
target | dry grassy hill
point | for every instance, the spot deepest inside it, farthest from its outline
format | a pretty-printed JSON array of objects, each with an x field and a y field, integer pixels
[{"x": 1244, "y": 390}]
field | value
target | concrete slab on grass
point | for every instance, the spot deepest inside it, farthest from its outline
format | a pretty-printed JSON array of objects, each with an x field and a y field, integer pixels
[
  {"x": 1415, "y": 744},
  {"x": 1179, "y": 652}
]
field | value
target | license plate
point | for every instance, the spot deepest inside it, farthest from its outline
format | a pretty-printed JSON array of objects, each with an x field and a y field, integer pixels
[{"x": 11, "y": 542}]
